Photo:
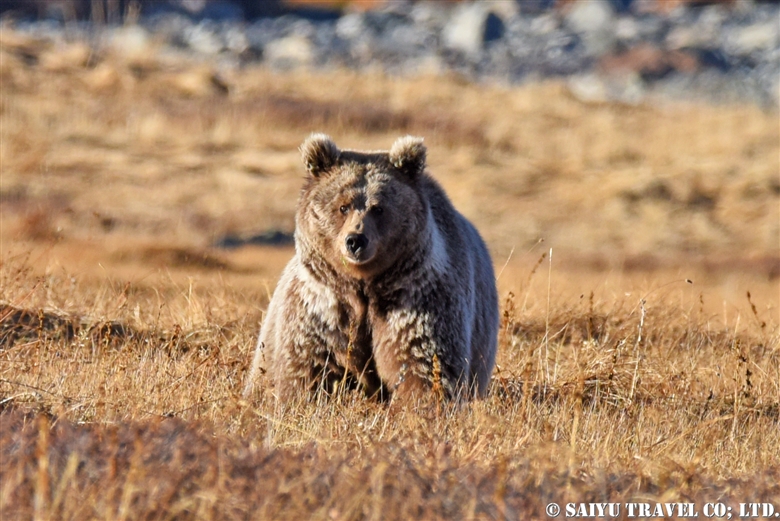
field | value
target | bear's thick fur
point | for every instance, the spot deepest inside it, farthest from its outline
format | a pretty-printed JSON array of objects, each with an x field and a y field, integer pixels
[{"x": 390, "y": 289}]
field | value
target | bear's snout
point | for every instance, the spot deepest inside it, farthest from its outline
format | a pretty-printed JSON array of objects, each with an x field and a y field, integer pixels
[{"x": 356, "y": 244}]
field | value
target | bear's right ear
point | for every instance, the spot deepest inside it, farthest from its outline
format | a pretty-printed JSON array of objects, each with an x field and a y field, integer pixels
[
  {"x": 408, "y": 155},
  {"x": 319, "y": 154}
]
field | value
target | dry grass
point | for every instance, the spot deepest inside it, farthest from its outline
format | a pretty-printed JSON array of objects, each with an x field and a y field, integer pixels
[
  {"x": 598, "y": 401},
  {"x": 125, "y": 338},
  {"x": 194, "y": 151}
]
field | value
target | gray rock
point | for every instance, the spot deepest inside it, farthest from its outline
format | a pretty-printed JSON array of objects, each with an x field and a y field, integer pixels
[
  {"x": 539, "y": 46},
  {"x": 350, "y": 26},
  {"x": 388, "y": 38},
  {"x": 289, "y": 52},
  {"x": 203, "y": 38},
  {"x": 652, "y": 28},
  {"x": 592, "y": 88},
  {"x": 685, "y": 37},
  {"x": 428, "y": 15},
  {"x": 131, "y": 40},
  {"x": 472, "y": 26},
  {"x": 301, "y": 27},
  {"x": 589, "y": 88},
  {"x": 236, "y": 40},
  {"x": 259, "y": 34},
  {"x": 712, "y": 17},
  {"x": 627, "y": 29},
  {"x": 545, "y": 24},
  {"x": 594, "y": 21},
  {"x": 760, "y": 36},
  {"x": 170, "y": 28},
  {"x": 710, "y": 52},
  {"x": 590, "y": 15},
  {"x": 703, "y": 32}
]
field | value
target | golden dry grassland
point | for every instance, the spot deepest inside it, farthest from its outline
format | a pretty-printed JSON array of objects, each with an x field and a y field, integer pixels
[{"x": 640, "y": 362}]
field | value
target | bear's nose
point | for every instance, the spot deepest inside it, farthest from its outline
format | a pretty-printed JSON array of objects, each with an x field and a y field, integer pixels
[{"x": 356, "y": 243}]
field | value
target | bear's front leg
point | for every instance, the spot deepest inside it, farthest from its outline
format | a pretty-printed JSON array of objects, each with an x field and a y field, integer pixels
[
  {"x": 300, "y": 334},
  {"x": 303, "y": 365},
  {"x": 317, "y": 359},
  {"x": 416, "y": 356},
  {"x": 320, "y": 342}
]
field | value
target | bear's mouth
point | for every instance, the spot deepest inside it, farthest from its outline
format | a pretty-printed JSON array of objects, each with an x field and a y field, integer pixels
[{"x": 358, "y": 260}]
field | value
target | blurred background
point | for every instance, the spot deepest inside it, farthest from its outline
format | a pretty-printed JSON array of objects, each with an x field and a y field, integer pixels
[
  {"x": 637, "y": 139},
  {"x": 617, "y": 49}
]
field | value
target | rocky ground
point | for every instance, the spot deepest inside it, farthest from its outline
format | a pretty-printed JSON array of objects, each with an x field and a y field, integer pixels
[{"x": 606, "y": 50}]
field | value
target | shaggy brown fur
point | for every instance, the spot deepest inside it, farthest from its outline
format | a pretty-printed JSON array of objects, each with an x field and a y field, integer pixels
[{"x": 390, "y": 289}]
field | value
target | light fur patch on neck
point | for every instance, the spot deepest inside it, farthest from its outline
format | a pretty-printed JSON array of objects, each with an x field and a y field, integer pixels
[
  {"x": 439, "y": 258},
  {"x": 319, "y": 299}
]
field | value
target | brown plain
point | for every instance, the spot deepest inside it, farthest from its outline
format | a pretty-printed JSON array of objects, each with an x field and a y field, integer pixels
[{"x": 125, "y": 336}]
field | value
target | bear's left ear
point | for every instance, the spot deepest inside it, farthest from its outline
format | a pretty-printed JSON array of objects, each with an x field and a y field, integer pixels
[
  {"x": 408, "y": 155},
  {"x": 319, "y": 154}
]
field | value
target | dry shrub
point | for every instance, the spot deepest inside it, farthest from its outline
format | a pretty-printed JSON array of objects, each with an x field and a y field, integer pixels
[{"x": 180, "y": 257}]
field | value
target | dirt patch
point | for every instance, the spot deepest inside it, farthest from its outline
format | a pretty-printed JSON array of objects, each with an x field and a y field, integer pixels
[{"x": 178, "y": 257}]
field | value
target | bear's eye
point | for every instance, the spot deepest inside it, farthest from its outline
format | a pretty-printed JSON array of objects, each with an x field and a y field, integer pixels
[
  {"x": 344, "y": 209},
  {"x": 378, "y": 210}
]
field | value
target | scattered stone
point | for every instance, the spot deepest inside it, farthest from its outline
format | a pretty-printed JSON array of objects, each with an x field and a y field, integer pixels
[
  {"x": 236, "y": 40},
  {"x": 202, "y": 38},
  {"x": 761, "y": 36},
  {"x": 593, "y": 88},
  {"x": 350, "y": 26},
  {"x": 716, "y": 50},
  {"x": 702, "y": 32},
  {"x": 131, "y": 41},
  {"x": 650, "y": 62},
  {"x": 289, "y": 52},
  {"x": 594, "y": 20},
  {"x": 627, "y": 29},
  {"x": 545, "y": 24},
  {"x": 472, "y": 26},
  {"x": 589, "y": 88},
  {"x": 589, "y": 15}
]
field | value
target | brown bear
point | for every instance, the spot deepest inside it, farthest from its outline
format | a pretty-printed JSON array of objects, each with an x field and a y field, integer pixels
[{"x": 390, "y": 289}]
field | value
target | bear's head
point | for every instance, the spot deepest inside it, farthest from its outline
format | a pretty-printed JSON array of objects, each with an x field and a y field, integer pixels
[{"x": 361, "y": 211}]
